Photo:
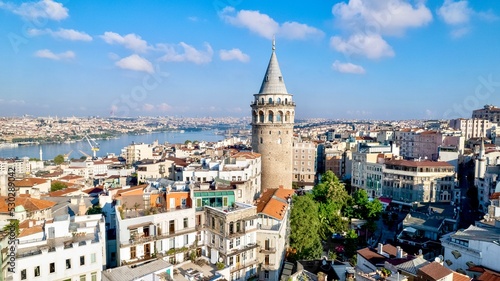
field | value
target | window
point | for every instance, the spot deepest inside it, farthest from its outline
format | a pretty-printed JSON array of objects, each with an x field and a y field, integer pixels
[
  {"x": 224, "y": 201},
  {"x": 23, "y": 274},
  {"x": 83, "y": 277},
  {"x": 92, "y": 258},
  {"x": 231, "y": 244},
  {"x": 237, "y": 241},
  {"x": 37, "y": 271},
  {"x": 185, "y": 222},
  {"x": 198, "y": 202},
  {"x": 221, "y": 243},
  {"x": 266, "y": 274},
  {"x": 82, "y": 260},
  {"x": 186, "y": 239},
  {"x": 213, "y": 238},
  {"x": 52, "y": 267},
  {"x": 132, "y": 252},
  {"x": 68, "y": 263}
]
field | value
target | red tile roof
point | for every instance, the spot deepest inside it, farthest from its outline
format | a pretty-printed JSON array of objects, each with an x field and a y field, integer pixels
[
  {"x": 29, "y": 204},
  {"x": 435, "y": 270},
  {"x": 273, "y": 202},
  {"x": 31, "y": 230},
  {"x": 63, "y": 191},
  {"x": 29, "y": 182}
]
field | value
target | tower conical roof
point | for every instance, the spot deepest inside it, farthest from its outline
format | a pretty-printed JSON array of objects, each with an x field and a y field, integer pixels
[{"x": 273, "y": 82}]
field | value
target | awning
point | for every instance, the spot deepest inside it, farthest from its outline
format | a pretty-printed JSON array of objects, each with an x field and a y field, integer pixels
[{"x": 139, "y": 225}]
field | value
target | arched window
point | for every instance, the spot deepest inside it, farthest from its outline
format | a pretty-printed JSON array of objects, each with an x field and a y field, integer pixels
[
  {"x": 286, "y": 101},
  {"x": 279, "y": 140},
  {"x": 270, "y": 116},
  {"x": 287, "y": 116},
  {"x": 261, "y": 117},
  {"x": 262, "y": 100},
  {"x": 270, "y": 100},
  {"x": 255, "y": 117},
  {"x": 261, "y": 140},
  {"x": 279, "y": 116},
  {"x": 278, "y": 100}
]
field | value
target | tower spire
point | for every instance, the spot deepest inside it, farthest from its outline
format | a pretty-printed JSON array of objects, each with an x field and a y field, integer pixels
[{"x": 273, "y": 82}]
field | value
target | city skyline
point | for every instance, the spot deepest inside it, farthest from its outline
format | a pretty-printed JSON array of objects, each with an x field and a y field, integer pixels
[{"x": 341, "y": 60}]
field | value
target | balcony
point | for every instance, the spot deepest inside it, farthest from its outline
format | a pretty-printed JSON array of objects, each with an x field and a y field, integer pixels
[
  {"x": 144, "y": 239},
  {"x": 235, "y": 251},
  {"x": 268, "y": 266},
  {"x": 267, "y": 250},
  {"x": 243, "y": 265}
]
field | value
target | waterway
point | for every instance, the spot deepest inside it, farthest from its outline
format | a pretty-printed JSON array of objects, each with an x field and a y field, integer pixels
[{"x": 107, "y": 146}]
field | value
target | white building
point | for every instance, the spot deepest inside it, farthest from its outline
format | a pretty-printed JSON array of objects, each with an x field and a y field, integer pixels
[
  {"x": 135, "y": 152},
  {"x": 472, "y": 246},
  {"x": 472, "y": 128},
  {"x": 367, "y": 168},
  {"x": 273, "y": 207},
  {"x": 67, "y": 248}
]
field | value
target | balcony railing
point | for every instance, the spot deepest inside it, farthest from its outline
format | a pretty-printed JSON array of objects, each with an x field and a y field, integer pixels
[
  {"x": 144, "y": 239},
  {"x": 267, "y": 250}
]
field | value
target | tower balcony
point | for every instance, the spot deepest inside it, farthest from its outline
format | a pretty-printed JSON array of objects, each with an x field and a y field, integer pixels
[{"x": 272, "y": 104}]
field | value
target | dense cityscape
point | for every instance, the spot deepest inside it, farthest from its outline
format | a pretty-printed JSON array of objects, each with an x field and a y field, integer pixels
[{"x": 113, "y": 169}]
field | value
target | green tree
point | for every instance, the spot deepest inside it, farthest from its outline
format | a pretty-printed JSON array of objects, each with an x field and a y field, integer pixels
[
  {"x": 305, "y": 227},
  {"x": 330, "y": 188},
  {"x": 351, "y": 243},
  {"x": 59, "y": 159},
  {"x": 13, "y": 225},
  {"x": 96, "y": 209},
  {"x": 55, "y": 186}
]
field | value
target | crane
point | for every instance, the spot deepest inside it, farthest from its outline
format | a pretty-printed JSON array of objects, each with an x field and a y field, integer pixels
[
  {"x": 66, "y": 156},
  {"x": 93, "y": 145}
]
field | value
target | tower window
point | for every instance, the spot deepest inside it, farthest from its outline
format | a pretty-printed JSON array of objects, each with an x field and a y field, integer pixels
[
  {"x": 271, "y": 117},
  {"x": 260, "y": 140},
  {"x": 279, "y": 140},
  {"x": 281, "y": 79},
  {"x": 270, "y": 100}
]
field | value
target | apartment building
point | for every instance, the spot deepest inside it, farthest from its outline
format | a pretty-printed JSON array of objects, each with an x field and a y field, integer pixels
[
  {"x": 137, "y": 151},
  {"x": 474, "y": 246},
  {"x": 153, "y": 222},
  {"x": 273, "y": 208},
  {"x": 488, "y": 112},
  {"x": 304, "y": 163},
  {"x": 472, "y": 128},
  {"x": 367, "y": 165},
  {"x": 408, "y": 181},
  {"x": 65, "y": 248},
  {"x": 231, "y": 238}
]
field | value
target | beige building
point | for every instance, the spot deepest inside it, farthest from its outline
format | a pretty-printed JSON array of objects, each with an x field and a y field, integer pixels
[
  {"x": 304, "y": 163},
  {"x": 419, "y": 181},
  {"x": 273, "y": 113},
  {"x": 472, "y": 128},
  {"x": 488, "y": 112},
  {"x": 135, "y": 152}
]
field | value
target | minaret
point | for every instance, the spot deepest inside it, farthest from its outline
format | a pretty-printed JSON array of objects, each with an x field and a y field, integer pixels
[
  {"x": 273, "y": 113},
  {"x": 481, "y": 162}
]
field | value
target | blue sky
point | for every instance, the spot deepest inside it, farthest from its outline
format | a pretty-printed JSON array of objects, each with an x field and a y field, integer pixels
[{"x": 353, "y": 59}]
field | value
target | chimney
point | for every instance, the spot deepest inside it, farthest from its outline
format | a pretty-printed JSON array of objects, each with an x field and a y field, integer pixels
[
  {"x": 399, "y": 252},
  {"x": 379, "y": 248}
]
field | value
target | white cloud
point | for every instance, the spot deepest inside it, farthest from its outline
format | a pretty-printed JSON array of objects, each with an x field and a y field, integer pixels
[
  {"x": 233, "y": 54},
  {"x": 46, "y": 9},
  {"x": 455, "y": 13},
  {"x": 266, "y": 26},
  {"x": 348, "y": 67},
  {"x": 136, "y": 63},
  {"x": 68, "y": 34},
  {"x": 45, "y": 53},
  {"x": 148, "y": 107},
  {"x": 164, "y": 107},
  {"x": 458, "y": 15},
  {"x": 381, "y": 17},
  {"x": 459, "y": 32},
  {"x": 189, "y": 53},
  {"x": 367, "y": 22},
  {"x": 130, "y": 41},
  {"x": 370, "y": 46},
  {"x": 194, "y": 19}
]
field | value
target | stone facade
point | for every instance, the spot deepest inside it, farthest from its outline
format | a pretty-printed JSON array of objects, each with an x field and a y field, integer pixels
[{"x": 273, "y": 113}]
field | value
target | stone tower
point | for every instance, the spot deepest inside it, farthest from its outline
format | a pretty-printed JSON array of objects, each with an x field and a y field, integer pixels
[{"x": 273, "y": 113}]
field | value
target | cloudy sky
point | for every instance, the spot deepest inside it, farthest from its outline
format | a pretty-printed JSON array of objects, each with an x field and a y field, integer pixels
[{"x": 360, "y": 59}]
